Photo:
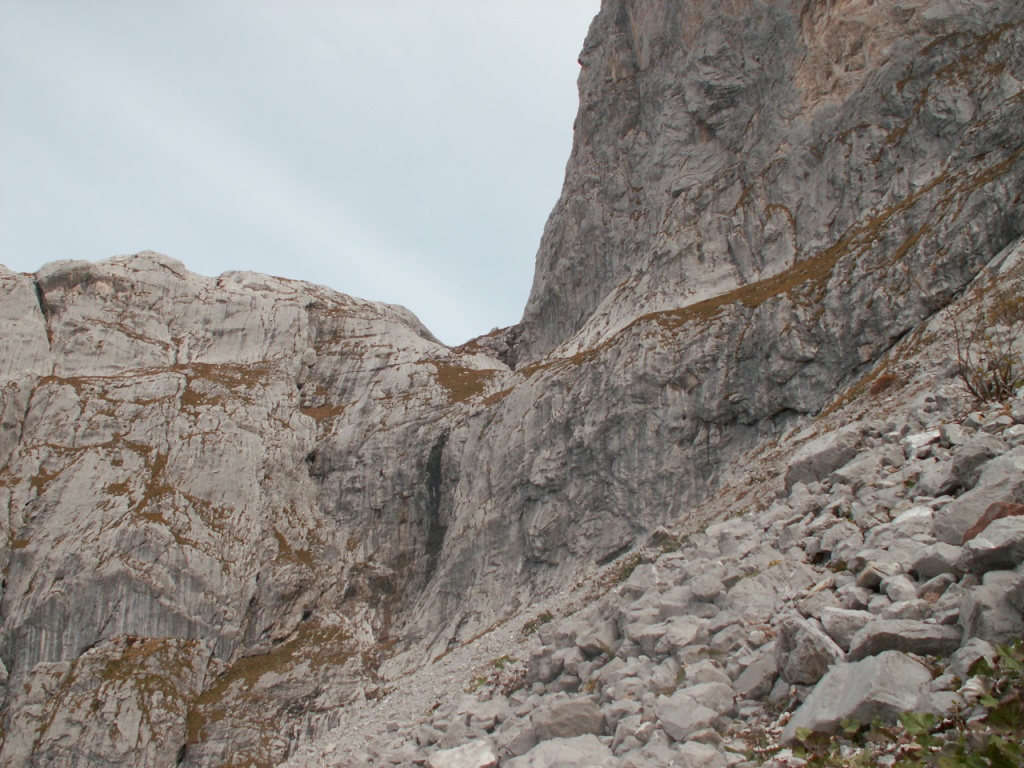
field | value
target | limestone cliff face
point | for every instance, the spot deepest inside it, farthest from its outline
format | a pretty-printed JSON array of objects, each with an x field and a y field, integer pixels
[
  {"x": 225, "y": 500},
  {"x": 205, "y": 480},
  {"x": 719, "y": 144}
]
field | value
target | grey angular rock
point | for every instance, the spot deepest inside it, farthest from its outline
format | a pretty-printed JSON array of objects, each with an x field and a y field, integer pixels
[
  {"x": 999, "y": 547},
  {"x": 567, "y": 719},
  {"x": 899, "y": 588},
  {"x": 969, "y": 460},
  {"x": 706, "y": 588},
  {"x": 914, "y": 445},
  {"x": 682, "y": 632},
  {"x": 871, "y": 572},
  {"x": 681, "y": 716},
  {"x": 756, "y": 596},
  {"x": 544, "y": 666},
  {"x": 912, "y": 609},
  {"x": 716, "y": 696},
  {"x": 880, "y": 686},
  {"x": 597, "y": 638},
  {"x": 705, "y": 671},
  {"x": 578, "y": 752},
  {"x": 988, "y": 611},
  {"x": 905, "y": 636},
  {"x": 935, "y": 587},
  {"x": 1002, "y": 479},
  {"x": 964, "y": 658},
  {"x": 953, "y": 435},
  {"x": 473, "y": 754},
  {"x": 515, "y": 737},
  {"x": 695, "y": 755},
  {"x": 868, "y": 467},
  {"x": 804, "y": 652},
  {"x": 935, "y": 559},
  {"x": 842, "y": 624},
  {"x": 819, "y": 458},
  {"x": 757, "y": 679},
  {"x": 839, "y": 537}
]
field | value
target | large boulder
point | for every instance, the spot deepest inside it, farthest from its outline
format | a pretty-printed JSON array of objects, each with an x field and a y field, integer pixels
[
  {"x": 820, "y": 457},
  {"x": 992, "y": 610},
  {"x": 880, "y": 686},
  {"x": 904, "y": 635},
  {"x": 1001, "y": 480},
  {"x": 1000, "y": 547},
  {"x": 970, "y": 459},
  {"x": 804, "y": 652},
  {"x": 474, "y": 754},
  {"x": 568, "y": 718},
  {"x": 578, "y": 752}
]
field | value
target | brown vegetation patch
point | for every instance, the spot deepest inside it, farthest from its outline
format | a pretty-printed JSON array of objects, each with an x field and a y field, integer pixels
[
  {"x": 312, "y": 642},
  {"x": 461, "y": 383},
  {"x": 42, "y": 479},
  {"x": 239, "y": 379},
  {"x": 883, "y": 383},
  {"x": 325, "y": 412},
  {"x": 287, "y": 552}
]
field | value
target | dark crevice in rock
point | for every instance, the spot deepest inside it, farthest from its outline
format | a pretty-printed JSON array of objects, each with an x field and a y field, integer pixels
[
  {"x": 434, "y": 478},
  {"x": 44, "y": 308}
]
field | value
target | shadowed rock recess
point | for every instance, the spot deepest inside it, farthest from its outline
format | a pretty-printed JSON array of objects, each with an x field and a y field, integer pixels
[{"x": 237, "y": 509}]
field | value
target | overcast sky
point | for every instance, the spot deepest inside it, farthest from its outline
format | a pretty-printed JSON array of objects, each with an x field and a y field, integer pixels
[{"x": 398, "y": 150}]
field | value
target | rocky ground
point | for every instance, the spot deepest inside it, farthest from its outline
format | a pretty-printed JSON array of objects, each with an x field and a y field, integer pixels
[{"x": 882, "y": 559}]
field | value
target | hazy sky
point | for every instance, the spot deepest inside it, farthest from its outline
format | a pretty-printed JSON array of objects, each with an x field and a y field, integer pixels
[{"x": 398, "y": 150}]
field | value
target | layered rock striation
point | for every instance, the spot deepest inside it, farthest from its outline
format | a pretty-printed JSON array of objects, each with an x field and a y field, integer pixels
[{"x": 227, "y": 500}]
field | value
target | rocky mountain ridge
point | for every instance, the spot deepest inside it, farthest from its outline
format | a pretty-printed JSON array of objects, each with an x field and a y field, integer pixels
[
  {"x": 857, "y": 590},
  {"x": 237, "y": 506}
]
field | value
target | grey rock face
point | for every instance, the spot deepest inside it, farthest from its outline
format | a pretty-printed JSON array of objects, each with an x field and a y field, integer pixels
[
  {"x": 673, "y": 190},
  {"x": 164, "y": 484}
]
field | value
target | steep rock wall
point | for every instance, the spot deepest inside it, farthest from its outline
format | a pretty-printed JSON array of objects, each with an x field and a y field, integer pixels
[
  {"x": 179, "y": 490},
  {"x": 718, "y": 144}
]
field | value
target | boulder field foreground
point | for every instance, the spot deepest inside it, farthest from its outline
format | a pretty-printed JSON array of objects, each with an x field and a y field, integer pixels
[{"x": 750, "y": 466}]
